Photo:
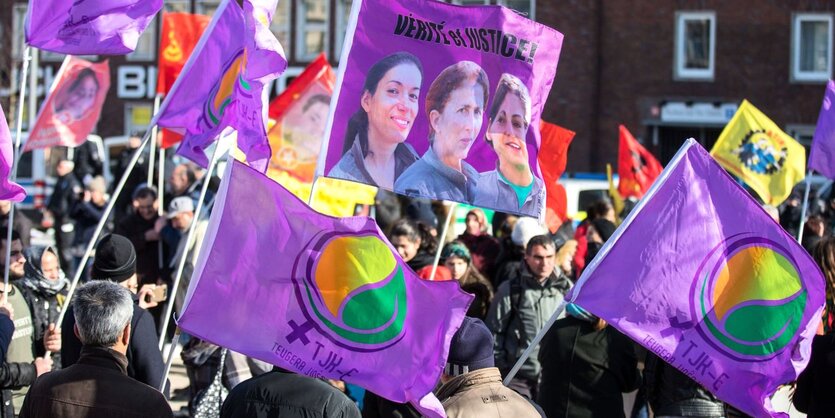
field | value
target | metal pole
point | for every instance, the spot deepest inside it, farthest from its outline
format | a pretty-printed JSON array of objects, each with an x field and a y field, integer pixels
[
  {"x": 189, "y": 237},
  {"x": 160, "y": 208},
  {"x": 18, "y": 133},
  {"x": 805, "y": 206},
  {"x": 101, "y": 224},
  {"x": 534, "y": 343},
  {"x": 441, "y": 240},
  {"x": 153, "y": 156},
  {"x": 170, "y": 360}
]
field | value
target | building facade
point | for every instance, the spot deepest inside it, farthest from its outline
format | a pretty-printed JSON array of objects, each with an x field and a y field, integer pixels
[{"x": 667, "y": 70}]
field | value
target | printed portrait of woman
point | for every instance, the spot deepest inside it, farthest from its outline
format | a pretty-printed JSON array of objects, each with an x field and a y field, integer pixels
[
  {"x": 375, "y": 151},
  {"x": 78, "y": 99},
  {"x": 455, "y": 109},
  {"x": 511, "y": 187}
]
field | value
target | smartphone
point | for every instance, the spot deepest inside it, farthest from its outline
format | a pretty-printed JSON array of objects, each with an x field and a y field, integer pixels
[{"x": 160, "y": 293}]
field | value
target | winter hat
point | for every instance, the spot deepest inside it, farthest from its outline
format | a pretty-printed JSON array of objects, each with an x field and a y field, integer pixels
[
  {"x": 604, "y": 228},
  {"x": 456, "y": 249},
  {"x": 524, "y": 230},
  {"x": 179, "y": 205},
  {"x": 471, "y": 348},
  {"x": 115, "y": 259},
  {"x": 421, "y": 210}
]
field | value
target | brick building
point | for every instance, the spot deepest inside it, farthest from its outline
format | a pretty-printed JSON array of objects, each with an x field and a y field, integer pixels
[{"x": 668, "y": 70}]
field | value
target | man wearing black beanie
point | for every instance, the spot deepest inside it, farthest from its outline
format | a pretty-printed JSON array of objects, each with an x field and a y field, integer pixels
[{"x": 115, "y": 261}]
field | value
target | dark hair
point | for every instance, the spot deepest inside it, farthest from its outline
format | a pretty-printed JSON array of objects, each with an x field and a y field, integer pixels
[
  {"x": 4, "y": 232},
  {"x": 413, "y": 231},
  {"x": 145, "y": 192},
  {"x": 358, "y": 124},
  {"x": 814, "y": 221},
  {"x": 316, "y": 98},
  {"x": 87, "y": 72},
  {"x": 598, "y": 208},
  {"x": 511, "y": 84},
  {"x": 824, "y": 255},
  {"x": 448, "y": 81},
  {"x": 540, "y": 240}
]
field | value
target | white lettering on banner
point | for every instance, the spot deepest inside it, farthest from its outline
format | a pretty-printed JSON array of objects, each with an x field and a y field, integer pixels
[{"x": 136, "y": 82}]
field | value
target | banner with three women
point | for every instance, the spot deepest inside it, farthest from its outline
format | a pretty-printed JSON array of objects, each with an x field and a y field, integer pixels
[{"x": 444, "y": 102}]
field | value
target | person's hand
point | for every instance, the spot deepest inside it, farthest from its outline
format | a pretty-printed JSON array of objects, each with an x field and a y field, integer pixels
[
  {"x": 6, "y": 307},
  {"x": 52, "y": 339},
  {"x": 340, "y": 385},
  {"x": 87, "y": 196},
  {"x": 146, "y": 296},
  {"x": 43, "y": 365},
  {"x": 152, "y": 234},
  {"x": 160, "y": 223}
]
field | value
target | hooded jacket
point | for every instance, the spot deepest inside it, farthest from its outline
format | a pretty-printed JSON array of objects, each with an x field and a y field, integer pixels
[{"x": 480, "y": 393}]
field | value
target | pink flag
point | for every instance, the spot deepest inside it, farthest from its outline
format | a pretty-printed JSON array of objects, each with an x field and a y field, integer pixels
[
  {"x": 222, "y": 83},
  {"x": 88, "y": 27},
  {"x": 318, "y": 295},
  {"x": 73, "y": 106},
  {"x": 8, "y": 190}
]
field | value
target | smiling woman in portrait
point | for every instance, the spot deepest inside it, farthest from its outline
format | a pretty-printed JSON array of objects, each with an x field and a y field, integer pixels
[
  {"x": 455, "y": 107},
  {"x": 511, "y": 186},
  {"x": 375, "y": 151},
  {"x": 73, "y": 103}
]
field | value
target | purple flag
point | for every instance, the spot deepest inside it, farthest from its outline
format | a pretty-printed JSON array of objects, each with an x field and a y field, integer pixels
[
  {"x": 88, "y": 27},
  {"x": 222, "y": 83},
  {"x": 701, "y": 276},
  {"x": 822, "y": 154},
  {"x": 8, "y": 190},
  {"x": 318, "y": 295}
]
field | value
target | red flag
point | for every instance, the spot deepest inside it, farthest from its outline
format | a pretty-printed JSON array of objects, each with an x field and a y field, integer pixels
[
  {"x": 168, "y": 138},
  {"x": 73, "y": 106},
  {"x": 180, "y": 33},
  {"x": 637, "y": 168},
  {"x": 301, "y": 113},
  {"x": 553, "y": 157}
]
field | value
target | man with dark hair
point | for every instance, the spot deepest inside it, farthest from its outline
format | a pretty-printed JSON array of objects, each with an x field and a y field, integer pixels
[
  {"x": 97, "y": 385},
  {"x": 523, "y": 303},
  {"x": 471, "y": 385},
  {"x": 64, "y": 196},
  {"x": 116, "y": 262},
  {"x": 138, "y": 227},
  {"x": 20, "y": 357}
]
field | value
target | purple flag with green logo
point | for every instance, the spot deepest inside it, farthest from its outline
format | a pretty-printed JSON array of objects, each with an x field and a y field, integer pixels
[
  {"x": 222, "y": 83},
  {"x": 8, "y": 190},
  {"x": 318, "y": 295},
  {"x": 822, "y": 153},
  {"x": 88, "y": 27},
  {"x": 701, "y": 276}
]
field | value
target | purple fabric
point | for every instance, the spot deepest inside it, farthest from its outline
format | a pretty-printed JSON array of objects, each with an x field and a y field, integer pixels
[
  {"x": 270, "y": 264},
  {"x": 8, "y": 190},
  {"x": 212, "y": 93},
  {"x": 439, "y": 35},
  {"x": 701, "y": 276},
  {"x": 822, "y": 154},
  {"x": 88, "y": 27}
]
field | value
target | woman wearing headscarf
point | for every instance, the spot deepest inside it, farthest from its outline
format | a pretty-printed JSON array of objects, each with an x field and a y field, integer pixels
[
  {"x": 44, "y": 288},
  {"x": 483, "y": 247}
]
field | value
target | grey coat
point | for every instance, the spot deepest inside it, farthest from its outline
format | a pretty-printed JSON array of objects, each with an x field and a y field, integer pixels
[
  {"x": 429, "y": 177},
  {"x": 352, "y": 166}
]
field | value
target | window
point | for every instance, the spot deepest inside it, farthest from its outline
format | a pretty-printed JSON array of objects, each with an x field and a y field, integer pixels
[
  {"x": 18, "y": 35},
  {"x": 280, "y": 26},
  {"x": 207, "y": 7},
  {"x": 811, "y": 47},
  {"x": 526, "y": 8},
  {"x": 137, "y": 117},
  {"x": 312, "y": 29},
  {"x": 695, "y": 45},
  {"x": 343, "y": 15},
  {"x": 146, "y": 47},
  {"x": 182, "y": 6}
]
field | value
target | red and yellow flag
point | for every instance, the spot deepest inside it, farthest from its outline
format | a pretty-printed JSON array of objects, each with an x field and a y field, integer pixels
[
  {"x": 180, "y": 33},
  {"x": 637, "y": 168}
]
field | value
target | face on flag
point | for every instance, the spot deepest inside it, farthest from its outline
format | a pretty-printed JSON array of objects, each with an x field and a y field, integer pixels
[{"x": 444, "y": 110}]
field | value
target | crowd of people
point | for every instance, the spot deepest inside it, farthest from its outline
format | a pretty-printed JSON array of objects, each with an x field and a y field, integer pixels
[{"x": 104, "y": 358}]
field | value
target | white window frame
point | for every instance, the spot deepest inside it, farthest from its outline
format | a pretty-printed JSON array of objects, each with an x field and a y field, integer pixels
[
  {"x": 286, "y": 26},
  {"x": 679, "y": 71},
  {"x": 810, "y": 76},
  {"x": 302, "y": 28},
  {"x": 151, "y": 31},
  {"x": 341, "y": 26},
  {"x": 18, "y": 30}
]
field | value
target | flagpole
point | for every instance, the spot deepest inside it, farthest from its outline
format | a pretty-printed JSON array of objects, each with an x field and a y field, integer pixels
[
  {"x": 160, "y": 207},
  {"x": 153, "y": 157},
  {"x": 189, "y": 237},
  {"x": 170, "y": 359},
  {"x": 534, "y": 343},
  {"x": 805, "y": 206},
  {"x": 442, "y": 240},
  {"x": 18, "y": 132},
  {"x": 90, "y": 245}
]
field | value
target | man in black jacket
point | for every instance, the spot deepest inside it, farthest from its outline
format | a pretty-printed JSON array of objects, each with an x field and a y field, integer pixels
[
  {"x": 64, "y": 195},
  {"x": 116, "y": 261},
  {"x": 280, "y": 393}
]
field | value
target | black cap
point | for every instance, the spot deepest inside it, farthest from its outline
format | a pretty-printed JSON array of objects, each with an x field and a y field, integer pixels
[{"x": 115, "y": 259}]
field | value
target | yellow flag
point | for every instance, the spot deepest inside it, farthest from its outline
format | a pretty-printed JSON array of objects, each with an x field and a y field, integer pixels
[
  {"x": 756, "y": 150},
  {"x": 617, "y": 199}
]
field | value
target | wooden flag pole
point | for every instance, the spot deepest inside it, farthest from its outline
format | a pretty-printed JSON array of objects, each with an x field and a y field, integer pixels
[
  {"x": 805, "y": 207},
  {"x": 449, "y": 216}
]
